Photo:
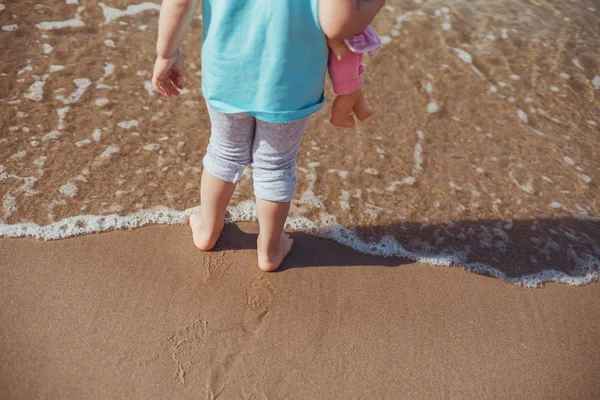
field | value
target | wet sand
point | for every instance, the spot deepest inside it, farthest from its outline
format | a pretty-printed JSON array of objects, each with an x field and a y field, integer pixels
[{"x": 143, "y": 314}]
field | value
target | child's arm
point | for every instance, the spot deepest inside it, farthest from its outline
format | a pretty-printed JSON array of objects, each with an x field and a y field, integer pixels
[
  {"x": 175, "y": 18},
  {"x": 341, "y": 19}
]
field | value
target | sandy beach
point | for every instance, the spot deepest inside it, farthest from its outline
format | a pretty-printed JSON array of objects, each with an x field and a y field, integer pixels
[
  {"x": 142, "y": 314},
  {"x": 448, "y": 247}
]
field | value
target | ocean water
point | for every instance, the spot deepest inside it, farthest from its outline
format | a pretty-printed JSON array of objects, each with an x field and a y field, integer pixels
[{"x": 484, "y": 152}]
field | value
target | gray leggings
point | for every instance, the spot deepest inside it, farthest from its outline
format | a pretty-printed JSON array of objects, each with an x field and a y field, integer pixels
[{"x": 238, "y": 140}]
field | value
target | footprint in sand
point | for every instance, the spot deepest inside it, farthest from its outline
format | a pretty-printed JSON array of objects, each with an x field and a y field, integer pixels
[
  {"x": 258, "y": 301},
  {"x": 184, "y": 346},
  {"x": 213, "y": 267}
]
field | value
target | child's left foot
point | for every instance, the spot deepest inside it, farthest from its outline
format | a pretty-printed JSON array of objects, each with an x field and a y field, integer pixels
[
  {"x": 205, "y": 235},
  {"x": 269, "y": 259}
]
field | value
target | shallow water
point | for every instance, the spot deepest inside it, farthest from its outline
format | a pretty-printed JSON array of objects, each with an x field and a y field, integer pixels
[{"x": 484, "y": 153}]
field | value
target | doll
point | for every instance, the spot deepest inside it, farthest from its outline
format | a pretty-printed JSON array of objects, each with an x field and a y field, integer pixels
[{"x": 345, "y": 68}]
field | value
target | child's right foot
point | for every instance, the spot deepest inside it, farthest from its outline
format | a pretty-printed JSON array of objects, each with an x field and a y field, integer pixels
[
  {"x": 205, "y": 236},
  {"x": 269, "y": 259}
]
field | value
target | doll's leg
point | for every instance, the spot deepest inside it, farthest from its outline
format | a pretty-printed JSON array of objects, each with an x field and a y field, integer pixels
[
  {"x": 361, "y": 109},
  {"x": 342, "y": 108}
]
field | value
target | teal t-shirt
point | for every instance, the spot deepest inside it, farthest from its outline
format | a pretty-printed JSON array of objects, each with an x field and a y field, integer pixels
[{"x": 267, "y": 58}]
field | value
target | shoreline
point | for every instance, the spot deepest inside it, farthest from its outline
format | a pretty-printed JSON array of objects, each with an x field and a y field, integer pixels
[{"x": 83, "y": 225}]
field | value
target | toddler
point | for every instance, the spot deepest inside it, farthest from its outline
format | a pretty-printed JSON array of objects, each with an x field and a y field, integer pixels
[{"x": 263, "y": 74}]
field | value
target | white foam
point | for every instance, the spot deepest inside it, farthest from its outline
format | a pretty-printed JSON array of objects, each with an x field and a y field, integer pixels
[
  {"x": 25, "y": 69},
  {"x": 371, "y": 171},
  {"x": 417, "y": 154},
  {"x": 82, "y": 85},
  {"x": 522, "y": 115},
  {"x": 149, "y": 88},
  {"x": 109, "y": 69},
  {"x": 56, "y": 68},
  {"x": 36, "y": 90},
  {"x": 565, "y": 76},
  {"x": 111, "y": 14},
  {"x": 51, "y": 136},
  {"x": 432, "y": 107},
  {"x": 596, "y": 82},
  {"x": 128, "y": 124},
  {"x": 82, "y": 142},
  {"x": 584, "y": 178},
  {"x": 101, "y": 102},
  {"x": 69, "y": 189},
  {"x": 103, "y": 86},
  {"x": 344, "y": 199},
  {"x": 569, "y": 160},
  {"x": 18, "y": 155},
  {"x": 75, "y": 22},
  {"x": 151, "y": 147},
  {"x": 406, "y": 181},
  {"x": 61, "y": 116},
  {"x": 577, "y": 63},
  {"x": 109, "y": 43},
  {"x": 463, "y": 55},
  {"x": 429, "y": 87},
  {"x": 8, "y": 28},
  {"x": 107, "y": 153},
  {"x": 97, "y": 134},
  {"x": 9, "y": 206},
  {"x": 591, "y": 122},
  {"x": 515, "y": 77},
  {"x": 555, "y": 88},
  {"x": 47, "y": 48},
  {"x": 556, "y": 204}
]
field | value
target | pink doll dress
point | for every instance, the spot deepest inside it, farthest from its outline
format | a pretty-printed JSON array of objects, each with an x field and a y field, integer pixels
[{"x": 345, "y": 73}]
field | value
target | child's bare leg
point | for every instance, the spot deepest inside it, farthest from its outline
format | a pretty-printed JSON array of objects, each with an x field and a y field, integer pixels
[
  {"x": 360, "y": 107},
  {"x": 207, "y": 225},
  {"x": 273, "y": 244},
  {"x": 341, "y": 110}
]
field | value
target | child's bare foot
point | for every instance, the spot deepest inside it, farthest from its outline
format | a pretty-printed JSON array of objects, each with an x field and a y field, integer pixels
[
  {"x": 205, "y": 235},
  {"x": 269, "y": 259}
]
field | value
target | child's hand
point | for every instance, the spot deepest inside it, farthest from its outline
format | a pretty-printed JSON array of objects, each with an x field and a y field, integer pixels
[
  {"x": 338, "y": 47},
  {"x": 168, "y": 75}
]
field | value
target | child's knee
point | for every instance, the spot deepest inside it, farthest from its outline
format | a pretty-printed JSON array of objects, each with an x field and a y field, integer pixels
[
  {"x": 274, "y": 185},
  {"x": 221, "y": 167}
]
